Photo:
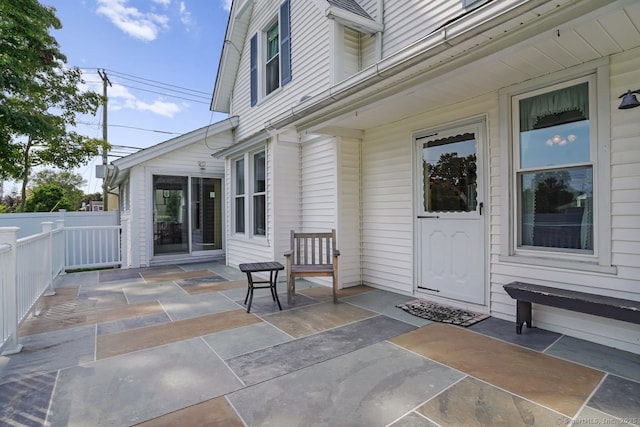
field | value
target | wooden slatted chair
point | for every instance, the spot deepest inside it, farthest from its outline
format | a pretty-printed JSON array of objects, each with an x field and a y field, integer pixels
[{"x": 312, "y": 254}]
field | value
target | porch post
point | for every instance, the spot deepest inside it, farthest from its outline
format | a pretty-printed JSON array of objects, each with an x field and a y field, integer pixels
[
  {"x": 9, "y": 235},
  {"x": 47, "y": 227},
  {"x": 124, "y": 243}
]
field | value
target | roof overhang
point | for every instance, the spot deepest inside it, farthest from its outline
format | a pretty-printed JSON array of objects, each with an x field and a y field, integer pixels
[
  {"x": 346, "y": 16},
  {"x": 237, "y": 25},
  {"x": 119, "y": 169},
  {"x": 471, "y": 37},
  {"x": 248, "y": 144}
]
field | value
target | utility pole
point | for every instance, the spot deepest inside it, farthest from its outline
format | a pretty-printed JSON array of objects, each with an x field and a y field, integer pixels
[{"x": 105, "y": 82}]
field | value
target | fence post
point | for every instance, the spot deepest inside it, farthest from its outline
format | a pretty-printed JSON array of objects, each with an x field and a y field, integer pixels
[
  {"x": 9, "y": 235},
  {"x": 47, "y": 227},
  {"x": 59, "y": 225}
]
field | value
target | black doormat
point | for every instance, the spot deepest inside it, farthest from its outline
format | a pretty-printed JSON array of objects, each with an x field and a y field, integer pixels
[{"x": 442, "y": 313}]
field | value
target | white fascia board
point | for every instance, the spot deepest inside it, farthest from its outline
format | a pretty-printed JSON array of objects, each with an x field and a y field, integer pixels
[
  {"x": 230, "y": 56},
  {"x": 350, "y": 19}
]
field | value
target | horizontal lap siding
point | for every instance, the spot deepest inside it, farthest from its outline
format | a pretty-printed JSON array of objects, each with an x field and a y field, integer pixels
[
  {"x": 349, "y": 211},
  {"x": 287, "y": 195},
  {"x": 309, "y": 64},
  {"x": 319, "y": 187},
  {"x": 431, "y": 15},
  {"x": 625, "y": 233}
]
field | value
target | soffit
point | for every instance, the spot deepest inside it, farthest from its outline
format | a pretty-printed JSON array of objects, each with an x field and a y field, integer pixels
[{"x": 613, "y": 29}]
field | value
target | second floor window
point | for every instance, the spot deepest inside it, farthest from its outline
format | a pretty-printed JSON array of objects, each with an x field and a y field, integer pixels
[{"x": 270, "y": 56}]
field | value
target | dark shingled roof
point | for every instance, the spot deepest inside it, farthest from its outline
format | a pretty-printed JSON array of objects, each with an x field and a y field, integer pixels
[{"x": 351, "y": 6}]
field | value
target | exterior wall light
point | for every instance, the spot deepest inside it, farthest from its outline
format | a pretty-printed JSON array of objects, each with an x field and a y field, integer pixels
[{"x": 629, "y": 100}]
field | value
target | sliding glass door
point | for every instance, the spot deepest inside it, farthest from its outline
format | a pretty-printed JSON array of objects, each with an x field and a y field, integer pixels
[
  {"x": 187, "y": 214},
  {"x": 206, "y": 214}
]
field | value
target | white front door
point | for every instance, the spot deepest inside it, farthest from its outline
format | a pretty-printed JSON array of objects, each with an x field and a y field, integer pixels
[{"x": 450, "y": 223}]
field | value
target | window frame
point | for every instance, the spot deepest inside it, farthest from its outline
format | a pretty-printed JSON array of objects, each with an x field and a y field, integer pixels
[
  {"x": 258, "y": 56},
  {"x": 250, "y": 193},
  {"x": 237, "y": 196},
  {"x": 597, "y": 73}
]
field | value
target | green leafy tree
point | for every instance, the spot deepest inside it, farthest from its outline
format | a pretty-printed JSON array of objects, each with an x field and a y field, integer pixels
[
  {"x": 46, "y": 198},
  {"x": 70, "y": 182},
  {"x": 39, "y": 96}
]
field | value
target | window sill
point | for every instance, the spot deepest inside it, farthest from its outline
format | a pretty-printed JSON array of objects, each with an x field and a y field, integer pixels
[
  {"x": 253, "y": 240},
  {"x": 558, "y": 263},
  {"x": 266, "y": 98}
]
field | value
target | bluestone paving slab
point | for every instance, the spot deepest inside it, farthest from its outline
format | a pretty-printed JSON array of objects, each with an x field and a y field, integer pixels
[
  {"x": 413, "y": 420},
  {"x": 618, "y": 397},
  {"x": 186, "y": 306},
  {"x": 589, "y": 416},
  {"x": 86, "y": 278},
  {"x": 471, "y": 402},
  {"x": 145, "y": 292},
  {"x": 132, "y": 323},
  {"x": 139, "y": 386},
  {"x": 246, "y": 339},
  {"x": 25, "y": 402},
  {"x": 263, "y": 302},
  {"x": 533, "y": 338},
  {"x": 618, "y": 362},
  {"x": 372, "y": 386},
  {"x": 284, "y": 358},
  {"x": 118, "y": 274},
  {"x": 48, "y": 352},
  {"x": 384, "y": 302}
]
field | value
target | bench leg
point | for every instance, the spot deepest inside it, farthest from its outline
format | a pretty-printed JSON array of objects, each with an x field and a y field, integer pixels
[
  {"x": 291, "y": 289},
  {"x": 523, "y": 315}
]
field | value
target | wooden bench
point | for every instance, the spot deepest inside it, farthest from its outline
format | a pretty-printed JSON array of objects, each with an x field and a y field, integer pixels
[
  {"x": 312, "y": 254},
  {"x": 598, "y": 305}
]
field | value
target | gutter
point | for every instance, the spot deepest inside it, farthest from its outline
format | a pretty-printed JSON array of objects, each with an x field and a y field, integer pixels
[{"x": 487, "y": 17}]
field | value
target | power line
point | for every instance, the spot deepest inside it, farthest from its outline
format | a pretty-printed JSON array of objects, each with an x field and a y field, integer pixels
[
  {"x": 131, "y": 76},
  {"x": 131, "y": 127},
  {"x": 165, "y": 94}
]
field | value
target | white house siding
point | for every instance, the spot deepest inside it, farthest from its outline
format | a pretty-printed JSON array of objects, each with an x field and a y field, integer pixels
[
  {"x": 431, "y": 15},
  {"x": 387, "y": 192},
  {"x": 625, "y": 220},
  {"x": 349, "y": 211},
  {"x": 139, "y": 214},
  {"x": 318, "y": 188},
  {"x": 309, "y": 64},
  {"x": 286, "y": 190}
]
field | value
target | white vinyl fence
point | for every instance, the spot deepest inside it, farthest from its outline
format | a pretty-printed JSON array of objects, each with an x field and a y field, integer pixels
[{"x": 29, "y": 266}]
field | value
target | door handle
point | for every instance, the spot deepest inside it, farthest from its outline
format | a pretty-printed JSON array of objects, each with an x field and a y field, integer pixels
[
  {"x": 480, "y": 206},
  {"x": 428, "y": 216}
]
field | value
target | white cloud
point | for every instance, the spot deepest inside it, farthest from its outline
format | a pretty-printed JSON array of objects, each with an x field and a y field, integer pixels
[
  {"x": 185, "y": 15},
  {"x": 162, "y": 108},
  {"x": 226, "y": 5},
  {"x": 141, "y": 25},
  {"x": 165, "y": 3}
]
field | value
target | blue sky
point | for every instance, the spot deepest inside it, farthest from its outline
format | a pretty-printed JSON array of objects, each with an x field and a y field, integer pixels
[{"x": 143, "y": 44}]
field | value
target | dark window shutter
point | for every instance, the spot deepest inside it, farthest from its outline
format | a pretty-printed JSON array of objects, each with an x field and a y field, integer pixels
[
  {"x": 285, "y": 43},
  {"x": 254, "y": 69}
]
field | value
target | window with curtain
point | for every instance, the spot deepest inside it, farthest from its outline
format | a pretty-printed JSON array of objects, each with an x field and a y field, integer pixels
[
  {"x": 554, "y": 169},
  {"x": 239, "y": 196},
  {"x": 272, "y": 71},
  {"x": 270, "y": 55}
]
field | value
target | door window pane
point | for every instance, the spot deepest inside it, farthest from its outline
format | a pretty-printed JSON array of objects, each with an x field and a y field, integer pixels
[
  {"x": 206, "y": 214},
  {"x": 449, "y": 172},
  {"x": 170, "y": 220}
]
